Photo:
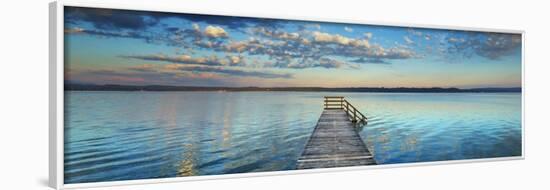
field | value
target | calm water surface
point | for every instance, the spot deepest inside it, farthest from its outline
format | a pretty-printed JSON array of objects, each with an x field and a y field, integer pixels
[{"x": 141, "y": 135}]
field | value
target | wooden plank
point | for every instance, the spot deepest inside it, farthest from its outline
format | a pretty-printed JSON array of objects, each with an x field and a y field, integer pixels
[{"x": 334, "y": 143}]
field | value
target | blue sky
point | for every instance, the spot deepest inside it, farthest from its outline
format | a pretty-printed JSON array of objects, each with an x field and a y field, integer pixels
[{"x": 104, "y": 46}]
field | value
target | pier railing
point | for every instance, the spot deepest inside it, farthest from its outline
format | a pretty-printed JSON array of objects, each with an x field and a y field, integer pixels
[{"x": 338, "y": 102}]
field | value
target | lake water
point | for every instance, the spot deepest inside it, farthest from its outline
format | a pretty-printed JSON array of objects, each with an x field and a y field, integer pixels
[{"x": 141, "y": 135}]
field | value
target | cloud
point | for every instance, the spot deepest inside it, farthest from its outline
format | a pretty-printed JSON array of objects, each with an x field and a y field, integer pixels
[
  {"x": 276, "y": 47},
  {"x": 306, "y": 50},
  {"x": 176, "y": 68},
  {"x": 230, "y": 22},
  {"x": 215, "y": 32},
  {"x": 235, "y": 60},
  {"x": 498, "y": 45},
  {"x": 178, "y": 36},
  {"x": 279, "y": 35},
  {"x": 235, "y": 23},
  {"x": 187, "y": 59},
  {"x": 110, "y": 19},
  {"x": 284, "y": 49},
  {"x": 330, "y": 63},
  {"x": 235, "y": 72},
  {"x": 144, "y": 68},
  {"x": 206, "y": 71},
  {"x": 456, "y": 40},
  {"x": 174, "y": 37},
  {"x": 312, "y": 25},
  {"x": 397, "y": 53},
  {"x": 321, "y": 63},
  {"x": 368, "y": 35},
  {"x": 148, "y": 75},
  {"x": 408, "y": 40},
  {"x": 74, "y": 30},
  {"x": 114, "y": 19},
  {"x": 115, "y": 34},
  {"x": 415, "y": 32},
  {"x": 489, "y": 45},
  {"x": 196, "y": 27},
  {"x": 348, "y": 29},
  {"x": 371, "y": 61},
  {"x": 427, "y": 37},
  {"x": 338, "y": 39},
  {"x": 321, "y": 37}
]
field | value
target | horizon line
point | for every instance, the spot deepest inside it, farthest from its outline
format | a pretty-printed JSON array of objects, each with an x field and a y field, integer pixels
[{"x": 144, "y": 85}]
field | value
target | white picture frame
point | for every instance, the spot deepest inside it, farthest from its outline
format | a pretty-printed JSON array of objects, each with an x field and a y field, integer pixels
[{"x": 56, "y": 92}]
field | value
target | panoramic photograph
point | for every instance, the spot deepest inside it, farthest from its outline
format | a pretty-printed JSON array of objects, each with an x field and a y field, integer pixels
[{"x": 152, "y": 95}]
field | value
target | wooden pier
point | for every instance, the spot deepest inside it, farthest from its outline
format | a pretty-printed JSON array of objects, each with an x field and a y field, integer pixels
[{"x": 335, "y": 141}]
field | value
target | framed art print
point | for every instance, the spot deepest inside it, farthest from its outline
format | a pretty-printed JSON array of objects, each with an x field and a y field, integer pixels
[{"x": 145, "y": 95}]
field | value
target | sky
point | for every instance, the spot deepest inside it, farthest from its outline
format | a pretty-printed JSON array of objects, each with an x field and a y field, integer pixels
[{"x": 107, "y": 46}]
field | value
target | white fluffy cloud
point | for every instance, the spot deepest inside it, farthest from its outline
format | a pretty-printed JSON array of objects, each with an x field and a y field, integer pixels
[
  {"x": 321, "y": 37},
  {"x": 329, "y": 38},
  {"x": 300, "y": 49},
  {"x": 279, "y": 35},
  {"x": 235, "y": 60},
  {"x": 215, "y": 32}
]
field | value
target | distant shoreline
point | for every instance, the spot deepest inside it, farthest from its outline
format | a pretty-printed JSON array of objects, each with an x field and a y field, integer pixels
[{"x": 110, "y": 87}]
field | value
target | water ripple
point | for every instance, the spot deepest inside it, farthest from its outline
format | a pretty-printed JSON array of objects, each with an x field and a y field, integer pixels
[{"x": 124, "y": 136}]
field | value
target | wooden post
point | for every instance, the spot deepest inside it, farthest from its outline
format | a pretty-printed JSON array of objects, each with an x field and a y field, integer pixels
[{"x": 354, "y": 115}]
